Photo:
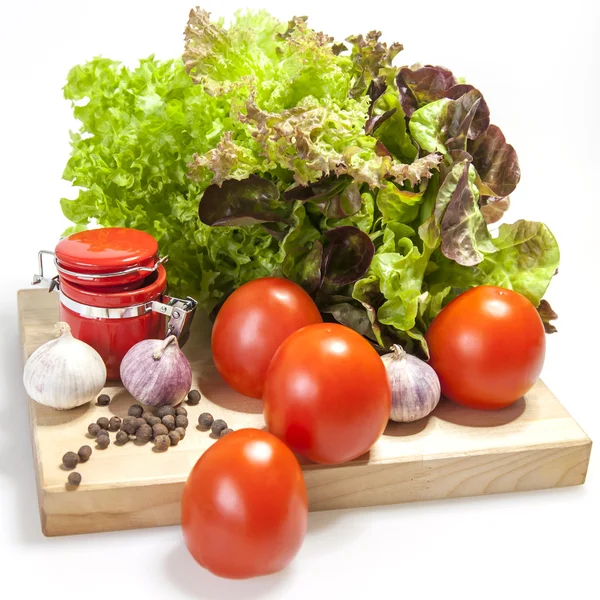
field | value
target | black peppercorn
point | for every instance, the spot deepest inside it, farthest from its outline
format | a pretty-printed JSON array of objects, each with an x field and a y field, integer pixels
[
  {"x": 135, "y": 410},
  {"x": 84, "y": 453},
  {"x": 152, "y": 421},
  {"x": 147, "y": 415},
  {"x": 225, "y": 431},
  {"x": 174, "y": 437},
  {"x": 169, "y": 422},
  {"x": 144, "y": 433},
  {"x": 162, "y": 442},
  {"x": 103, "y": 400},
  {"x": 130, "y": 425},
  {"x": 180, "y": 411},
  {"x": 205, "y": 421},
  {"x": 165, "y": 410},
  {"x": 103, "y": 441},
  {"x": 141, "y": 422},
  {"x": 159, "y": 429},
  {"x": 122, "y": 438},
  {"x": 70, "y": 460},
  {"x": 180, "y": 431},
  {"x": 103, "y": 422},
  {"x": 74, "y": 478},
  {"x": 181, "y": 421},
  {"x": 94, "y": 429},
  {"x": 218, "y": 426},
  {"x": 114, "y": 424},
  {"x": 193, "y": 397}
]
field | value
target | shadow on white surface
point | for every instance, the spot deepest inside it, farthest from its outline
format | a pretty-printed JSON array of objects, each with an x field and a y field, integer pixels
[
  {"x": 16, "y": 464},
  {"x": 195, "y": 582}
]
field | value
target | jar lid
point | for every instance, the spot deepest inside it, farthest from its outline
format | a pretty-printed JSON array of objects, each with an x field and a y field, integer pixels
[{"x": 128, "y": 254}]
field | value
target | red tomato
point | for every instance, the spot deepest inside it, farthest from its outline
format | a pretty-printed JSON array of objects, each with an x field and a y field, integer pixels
[
  {"x": 244, "y": 508},
  {"x": 487, "y": 347},
  {"x": 327, "y": 394},
  {"x": 251, "y": 325}
]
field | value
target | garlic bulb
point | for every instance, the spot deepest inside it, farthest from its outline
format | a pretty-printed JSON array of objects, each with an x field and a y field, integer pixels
[
  {"x": 415, "y": 386},
  {"x": 156, "y": 372},
  {"x": 65, "y": 372}
]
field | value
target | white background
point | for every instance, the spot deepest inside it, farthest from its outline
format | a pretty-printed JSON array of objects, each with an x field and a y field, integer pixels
[{"x": 538, "y": 65}]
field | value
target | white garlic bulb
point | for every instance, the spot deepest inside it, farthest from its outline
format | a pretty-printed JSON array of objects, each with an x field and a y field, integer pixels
[{"x": 65, "y": 372}]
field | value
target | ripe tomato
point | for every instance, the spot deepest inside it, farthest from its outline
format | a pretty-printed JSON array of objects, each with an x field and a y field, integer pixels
[
  {"x": 244, "y": 508},
  {"x": 487, "y": 347},
  {"x": 327, "y": 394},
  {"x": 251, "y": 325}
]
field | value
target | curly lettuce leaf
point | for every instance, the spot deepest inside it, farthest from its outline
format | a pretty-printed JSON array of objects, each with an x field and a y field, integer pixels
[
  {"x": 398, "y": 205},
  {"x": 420, "y": 86},
  {"x": 250, "y": 201},
  {"x": 496, "y": 163},
  {"x": 525, "y": 260},
  {"x": 139, "y": 129},
  {"x": 547, "y": 315},
  {"x": 387, "y": 123},
  {"x": 446, "y": 125}
]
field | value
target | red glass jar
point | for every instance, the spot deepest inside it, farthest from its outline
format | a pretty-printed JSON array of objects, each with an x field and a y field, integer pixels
[{"x": 112, "y": 288}]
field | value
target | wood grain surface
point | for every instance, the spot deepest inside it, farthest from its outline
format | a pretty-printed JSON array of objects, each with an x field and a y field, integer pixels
[{"x": 454, "y": 452}]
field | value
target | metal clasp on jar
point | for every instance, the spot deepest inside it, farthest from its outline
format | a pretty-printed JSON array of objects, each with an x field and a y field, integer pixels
[
  {"x": 181, "y": 314},
  {"x": 53, "y": 283}
]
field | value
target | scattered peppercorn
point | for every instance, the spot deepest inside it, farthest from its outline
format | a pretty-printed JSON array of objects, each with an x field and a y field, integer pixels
[
  {"x": 152, "y": 421},
  {"x": 103, "y": 400},
  {"x": 218, "y": 426},
  {"x": 174, "y": 437},
  {"x": 122, "y": 438},
  {"x": 129, "y": 425},
  {"x": 205, "y": 420},
  {"x": 225, "y": 431},
  {"x": 159, "y": 429},
  {"x": 103, "y": 441},
  {"x": 144, "y": 433},
  {"x": 103, "y": 422},
  {"x": 181, "y": 411},
  {"x": 165, "y": 410},
  {"x": 180, "y": 431},
  {"x": 181, "y": 421},
  {"x": 74, "y": 478},
  {"x": 70, "y": 460},
  {"x": 193, "y": 397},
  {"x": 162, "y": 442},
  {"x": 114, "y": 424},
  {"x": 94, "y": 429},
  {"x": 147, "y": 415},
  {"x": 135, "y": 410},
  {"x": 84, "y": 453},
  {"x": 169, "y": 422},
  {"x": 141, "y": 422}
]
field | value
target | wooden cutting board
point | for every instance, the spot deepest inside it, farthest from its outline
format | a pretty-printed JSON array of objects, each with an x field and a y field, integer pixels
[{"x": 454, "y": 452}]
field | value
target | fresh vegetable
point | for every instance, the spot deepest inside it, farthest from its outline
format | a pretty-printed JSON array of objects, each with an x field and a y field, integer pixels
[
  {"x": 415, "y": 386},
  {"x": 65, "y": 372},
  {"x": 251, "y": 325},
  {"x": 487, "y": 347},
  {"x": 272, "y": 150},
  {"x": 156, "y": 372},
  {"x": 244, "y": 507},
  {"x": 327, "y": 394}
]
